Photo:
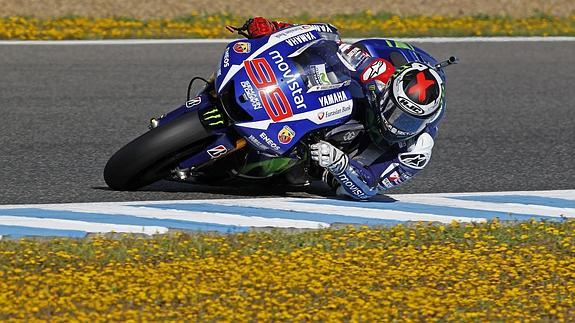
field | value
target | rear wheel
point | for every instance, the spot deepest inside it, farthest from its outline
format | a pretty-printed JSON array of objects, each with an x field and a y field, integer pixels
[{"x": 154, "y": 154}]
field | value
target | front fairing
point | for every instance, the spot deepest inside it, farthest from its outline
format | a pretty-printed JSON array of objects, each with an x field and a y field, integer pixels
[{"x": 286, "y": 85}]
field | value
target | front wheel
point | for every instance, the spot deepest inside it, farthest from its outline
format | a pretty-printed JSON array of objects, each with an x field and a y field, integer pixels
[{"x": 154, "y": 154}]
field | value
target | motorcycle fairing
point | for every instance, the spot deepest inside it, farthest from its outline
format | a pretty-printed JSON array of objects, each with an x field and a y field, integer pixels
[
  {"x": 265, "y": 134},
  {"x": 221, "y": 146},
  {"x": 275, "y": 91},
  {"x": 200, "y": 102},
  {"x": 234, "y": 63}
]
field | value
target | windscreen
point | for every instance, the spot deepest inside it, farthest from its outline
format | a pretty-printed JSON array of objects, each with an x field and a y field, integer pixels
[{"x": 320, "y": 65}]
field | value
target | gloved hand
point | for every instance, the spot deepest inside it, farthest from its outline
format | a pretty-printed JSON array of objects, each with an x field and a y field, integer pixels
[
  {"x": 329, "y": 157},
  {"x": 259, "y": 27}
]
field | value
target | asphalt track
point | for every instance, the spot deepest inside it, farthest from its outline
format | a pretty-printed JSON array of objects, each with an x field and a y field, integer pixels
[{"x": 510, "y": 124}]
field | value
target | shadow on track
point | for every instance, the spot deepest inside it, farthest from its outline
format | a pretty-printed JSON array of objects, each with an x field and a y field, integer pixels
[
  {"x": 315, "y": 190},
  {"x": 245, "y": 190},
  {"x": 262, "y": 190}
]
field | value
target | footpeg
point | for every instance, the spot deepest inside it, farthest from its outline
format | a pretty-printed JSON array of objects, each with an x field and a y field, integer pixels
[
  {"x": 154, "y": 123},
  {"x": 182, "y": 174}
]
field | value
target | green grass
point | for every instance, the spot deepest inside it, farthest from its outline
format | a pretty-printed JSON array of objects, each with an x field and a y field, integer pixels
[{"x": 364, "y": 24}]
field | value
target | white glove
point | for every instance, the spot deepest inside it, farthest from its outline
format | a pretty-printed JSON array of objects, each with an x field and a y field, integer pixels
[{"x": 329, "y": 157}]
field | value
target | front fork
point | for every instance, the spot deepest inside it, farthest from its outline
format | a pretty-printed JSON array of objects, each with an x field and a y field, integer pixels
[{"x": 222, "y": 143}]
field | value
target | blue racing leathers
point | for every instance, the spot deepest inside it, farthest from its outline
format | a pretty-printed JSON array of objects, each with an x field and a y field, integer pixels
[
  {"x": 371, "y": 169},
  {"x": 374, "y": 165}
]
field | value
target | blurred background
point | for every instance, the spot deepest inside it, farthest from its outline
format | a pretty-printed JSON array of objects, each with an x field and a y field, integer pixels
[
  {"x": 110, "y": 19},
  {"x": 284, "y": 8}
]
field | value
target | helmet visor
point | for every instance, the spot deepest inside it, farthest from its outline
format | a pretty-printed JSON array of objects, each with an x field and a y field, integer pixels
[{"x": 398, "y": 124}]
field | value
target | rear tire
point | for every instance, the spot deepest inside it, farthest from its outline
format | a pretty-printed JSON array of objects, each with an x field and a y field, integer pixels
[{"x": 153, "y": 155}]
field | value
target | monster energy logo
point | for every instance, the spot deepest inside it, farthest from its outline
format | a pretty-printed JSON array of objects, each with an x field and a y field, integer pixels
[{"x": 213, "y": 117}]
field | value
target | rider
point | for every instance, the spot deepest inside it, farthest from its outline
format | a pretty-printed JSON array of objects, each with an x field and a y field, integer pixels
[{"x": 401, "y": 99}]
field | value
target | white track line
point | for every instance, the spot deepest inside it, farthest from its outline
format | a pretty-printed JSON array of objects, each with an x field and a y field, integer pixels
[
  {"x": 200, "y": 217},
  {"x": 566, "y": 194},
  {"x": 47, "y": 223},
  {"x": 225, "y": 41},
  {"x": 286, "y": 205},
  {"x": 512, "y": 208}
]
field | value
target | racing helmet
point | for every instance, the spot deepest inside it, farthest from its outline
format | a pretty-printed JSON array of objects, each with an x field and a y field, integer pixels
[{"x": 411, "y": 99}]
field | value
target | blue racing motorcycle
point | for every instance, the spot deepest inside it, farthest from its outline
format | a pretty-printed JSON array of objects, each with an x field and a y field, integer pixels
[{"x": 271, "y": 98}]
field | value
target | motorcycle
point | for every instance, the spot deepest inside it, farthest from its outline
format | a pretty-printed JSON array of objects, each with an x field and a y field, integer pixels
[{"x": 271, "y": 98}]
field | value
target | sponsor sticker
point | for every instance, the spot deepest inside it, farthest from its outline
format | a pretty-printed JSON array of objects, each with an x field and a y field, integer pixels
[
  {"x": 212, "y": 117},
  {"x": 217, "y": 151},
  {"x": 251, "y": 95},
  {"x": 385, "y": 182},
  {"x": 291, "y": 79},
  {"x": 227, "y": 58},
  {"x": 379, "y": 69},
  {"x": 417, "y": 161},
  {"x": 290, "y": 32},
  {"x": 394, "y": 130},
  {"x": 333, "y": 98},
  {"x": 322, "y": 28},
  {"x": 269, "y": 141},
  {"x": 257, "y": 143},
  {"x": 242, "y": 47},
  {"x": 393, "y": 176},
  {"x": 272, "y": 97},
  {"x": 409, "y": 106},
  {"x": 347, "y": 182},
  {"x": 285, "y": 135},
  {"x": 319, "y": 75},
  {"x": 193, "y": 102},
  {"x": 301, "y": 39},
  {"x": 335, "y": 111}
]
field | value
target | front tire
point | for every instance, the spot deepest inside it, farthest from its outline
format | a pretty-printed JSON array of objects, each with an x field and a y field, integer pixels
[{"x": 154, "y": 154}]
